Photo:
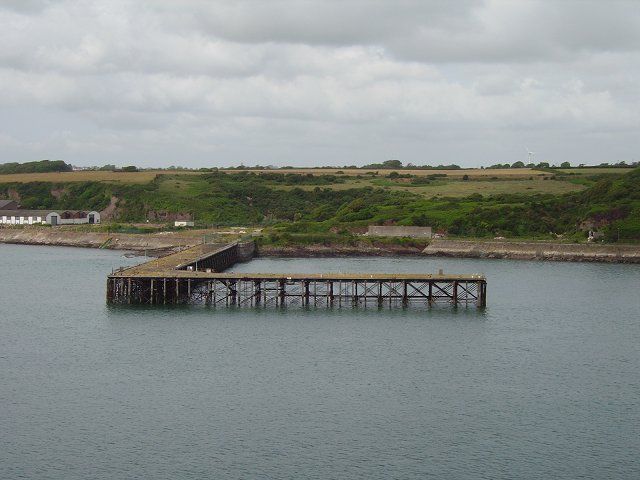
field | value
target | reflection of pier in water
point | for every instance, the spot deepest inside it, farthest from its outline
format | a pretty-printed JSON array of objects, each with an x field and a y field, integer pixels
[{"x": 196, "y": 276}]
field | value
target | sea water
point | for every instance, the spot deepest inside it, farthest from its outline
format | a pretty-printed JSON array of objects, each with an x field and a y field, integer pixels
[{"x": 543, "y": 383}]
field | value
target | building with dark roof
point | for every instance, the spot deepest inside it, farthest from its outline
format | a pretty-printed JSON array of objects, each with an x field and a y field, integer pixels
[{"x": 9, "y": 205}]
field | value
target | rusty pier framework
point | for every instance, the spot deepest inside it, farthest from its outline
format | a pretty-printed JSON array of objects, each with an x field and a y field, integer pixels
[{"x": 196, "y": 276}]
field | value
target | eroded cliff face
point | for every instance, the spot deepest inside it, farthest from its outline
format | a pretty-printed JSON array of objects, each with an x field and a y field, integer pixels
[
  {"x": 535, "y": 251},
  {"x": 109, "y": 213}
]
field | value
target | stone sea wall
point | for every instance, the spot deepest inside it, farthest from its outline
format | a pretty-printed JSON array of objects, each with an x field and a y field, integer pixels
[
  {"x": 535, "y": 251},
  {"x": 165, "y": 242},
  {"x": 116, "y": 241}
]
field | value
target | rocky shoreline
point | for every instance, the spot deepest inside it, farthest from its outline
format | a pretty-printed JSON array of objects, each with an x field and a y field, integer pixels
[
  {"x": 152, "y": 244},
  {"x": 159, "y": 244}
]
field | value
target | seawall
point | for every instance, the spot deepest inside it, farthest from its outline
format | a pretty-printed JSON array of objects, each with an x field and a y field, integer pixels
[
  {"x": 161, "y": 243},
  {"x": 571, "y": 252},
  {"x": 365, "y": 250},
  {"x": 166, "y": 242}
]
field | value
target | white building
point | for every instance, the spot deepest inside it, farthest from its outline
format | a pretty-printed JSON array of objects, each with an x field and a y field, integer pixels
[
  {"x": 48, "y": 217},
  {"x": 183, "y": 223}
]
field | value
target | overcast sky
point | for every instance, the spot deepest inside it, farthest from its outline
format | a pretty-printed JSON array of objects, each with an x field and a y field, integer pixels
[{"x": 318, "y": 82}]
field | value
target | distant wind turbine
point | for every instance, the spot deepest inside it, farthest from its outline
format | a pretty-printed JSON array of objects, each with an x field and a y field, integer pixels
[{"x": 530, "y": 155}]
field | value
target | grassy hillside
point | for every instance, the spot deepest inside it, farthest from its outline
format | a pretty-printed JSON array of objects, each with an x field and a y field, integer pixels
[{"x": 305, "y": 204}]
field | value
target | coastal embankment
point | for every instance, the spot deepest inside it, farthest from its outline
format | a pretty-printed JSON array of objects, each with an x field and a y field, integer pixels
[
  {"x": 161, "y": 243},
  {"x": 570, "y": 252},
  {"x": 154, "y": 244},
  {"x": 338, "y": 250}
]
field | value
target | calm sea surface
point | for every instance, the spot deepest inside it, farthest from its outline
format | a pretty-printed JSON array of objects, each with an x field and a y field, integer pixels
[{"x": 544, "y": 383}]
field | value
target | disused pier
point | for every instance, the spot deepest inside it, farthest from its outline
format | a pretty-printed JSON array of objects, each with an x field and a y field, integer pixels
[{"x": 195, "y": 276}]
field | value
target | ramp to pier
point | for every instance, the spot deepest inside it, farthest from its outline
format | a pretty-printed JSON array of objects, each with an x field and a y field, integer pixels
[{"x": 215, "y": 257}]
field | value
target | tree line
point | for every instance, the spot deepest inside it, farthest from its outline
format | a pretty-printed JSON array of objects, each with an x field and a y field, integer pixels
[{"x": 40, "y": 166}]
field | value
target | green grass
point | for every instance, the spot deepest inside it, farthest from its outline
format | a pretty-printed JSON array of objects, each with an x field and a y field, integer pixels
[
  {"x": 595, "y": 170},
  {"x": 458, "y": 187}
]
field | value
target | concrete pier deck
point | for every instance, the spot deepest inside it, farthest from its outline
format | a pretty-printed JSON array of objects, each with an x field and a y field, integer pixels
[{"x": 196, "y": 275}]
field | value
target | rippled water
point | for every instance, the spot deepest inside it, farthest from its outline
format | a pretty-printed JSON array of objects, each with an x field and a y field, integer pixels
[{"x": 544, "y": 383}]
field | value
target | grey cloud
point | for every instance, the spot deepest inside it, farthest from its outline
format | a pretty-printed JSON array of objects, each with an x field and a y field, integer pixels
[
  {"x": 303, "y": 81},
  {"x": 528, "y": 31},
  {"x": 432, "y": 31},
  {"x": 325, "y": 22},
  {"x": 25, "y": 6}
]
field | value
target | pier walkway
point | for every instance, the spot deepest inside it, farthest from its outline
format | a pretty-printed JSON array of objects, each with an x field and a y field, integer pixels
[{"x": 196, "y": 275}]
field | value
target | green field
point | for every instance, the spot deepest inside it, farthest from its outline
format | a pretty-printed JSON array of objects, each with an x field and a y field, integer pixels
[
  {"x": 146, "y": 176},
  {"x": 352, "y": 172},
  {"x": 595, "y": 170},
  {"x": 459, "y": 188},
  {"x": 90, "y": 176}
]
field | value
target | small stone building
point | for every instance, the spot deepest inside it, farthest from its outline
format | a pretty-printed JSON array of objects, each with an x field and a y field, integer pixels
[{"x": 399, "y": 231}]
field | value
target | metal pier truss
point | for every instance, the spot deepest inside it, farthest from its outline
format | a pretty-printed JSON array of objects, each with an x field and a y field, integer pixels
[
  {"x": 195, "y": 276},
  {"x": 230, "y": 290}
]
